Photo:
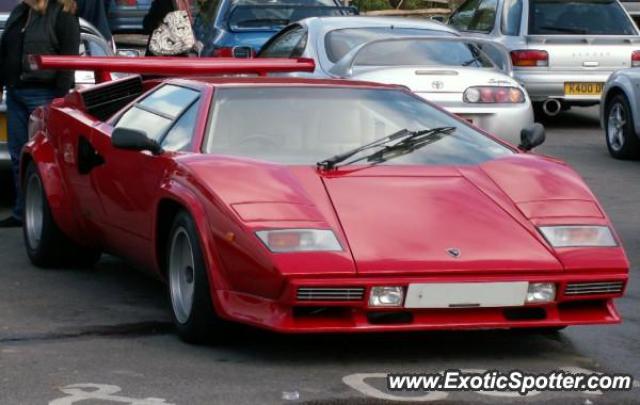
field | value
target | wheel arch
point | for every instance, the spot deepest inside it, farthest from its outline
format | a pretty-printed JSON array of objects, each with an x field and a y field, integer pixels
[
  {"x": 622, "y": 86},
  {"x": 41, "y": 153},
  {"x": 175, "y": 198}
]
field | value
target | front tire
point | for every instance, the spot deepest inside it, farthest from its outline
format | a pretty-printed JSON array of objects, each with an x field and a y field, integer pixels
[
  {"x": 188, "y": 284},
  {"x": 622, "y": 141},
  {"x": 46, "y": 244}
]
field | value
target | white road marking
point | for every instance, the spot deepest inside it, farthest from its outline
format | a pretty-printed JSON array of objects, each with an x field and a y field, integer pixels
[
  {"x": 358, "y": 383},
  {"x": 104, "y": 392}
]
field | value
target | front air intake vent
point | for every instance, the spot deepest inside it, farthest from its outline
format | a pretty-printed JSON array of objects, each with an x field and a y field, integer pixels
[
  {"x": 330, "y": 293},
  {"x": 592, "y": 288}
]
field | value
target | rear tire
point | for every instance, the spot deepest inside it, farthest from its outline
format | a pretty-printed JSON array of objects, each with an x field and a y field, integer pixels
[
  {"x": 46, "y": 244},
  {"x": 622, "y": 141},
  {"x": 188, "y": 285}
]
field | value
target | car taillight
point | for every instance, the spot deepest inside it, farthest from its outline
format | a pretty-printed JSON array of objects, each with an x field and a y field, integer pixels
[
  {"x": 530, "y": 58},
  {"x": 235, "y": 52},
  {"x": 493, "y": 94},
  {"x": 635, "y": 58}
]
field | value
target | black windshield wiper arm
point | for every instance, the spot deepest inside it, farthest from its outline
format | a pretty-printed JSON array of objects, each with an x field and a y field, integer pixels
[
  {"x": 410, "y": 141},
  {"x": 330, "y": 163}
]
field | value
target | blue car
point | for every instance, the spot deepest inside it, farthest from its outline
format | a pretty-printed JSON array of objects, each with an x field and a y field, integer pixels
[{"x": 243, "y": 26}]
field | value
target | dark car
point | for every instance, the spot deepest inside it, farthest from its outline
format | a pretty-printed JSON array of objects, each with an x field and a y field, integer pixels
[
  {"x": 125, "y": 16},
  {"x": 250, "y": 23}
]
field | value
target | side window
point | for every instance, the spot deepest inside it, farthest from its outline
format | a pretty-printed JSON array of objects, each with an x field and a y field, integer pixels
[
  {"x": 95, "y": 48},
  {"x": 511, "y": 17},
  {"x": 475, "y": 15},
  {"x": 180, "y": 135},
  {"x": 462, "y": 17},
  {"x": 299, "y": 49},
  {"x": 485, "y": 16},
  {"x": 155, "y": 114},
  {"x": 284, "y": 45}
]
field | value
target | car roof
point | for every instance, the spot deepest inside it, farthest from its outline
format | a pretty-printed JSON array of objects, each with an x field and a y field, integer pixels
[
  {"x": 231, "y": 81},
  {"x": 341, "y": 22}
]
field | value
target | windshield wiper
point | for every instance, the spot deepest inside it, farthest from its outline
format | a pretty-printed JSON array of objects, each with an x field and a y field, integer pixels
[
  {"x": 578, "y": 31},
  {"x": 409, "y": 141}
]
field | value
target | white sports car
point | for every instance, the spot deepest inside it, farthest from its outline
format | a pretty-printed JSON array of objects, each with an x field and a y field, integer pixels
[{"x": 468, "y": 77}]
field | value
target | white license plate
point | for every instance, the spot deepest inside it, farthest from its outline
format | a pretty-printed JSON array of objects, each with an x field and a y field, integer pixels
[{"x": 466, "y": 295}]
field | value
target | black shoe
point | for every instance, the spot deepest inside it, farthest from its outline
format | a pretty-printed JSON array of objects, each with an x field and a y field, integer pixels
[{"x": 11, "y": 222}]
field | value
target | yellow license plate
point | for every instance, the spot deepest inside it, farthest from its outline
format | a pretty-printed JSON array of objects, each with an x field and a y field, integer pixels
[
  {"x": 3, "y": 128},
  {"x": 583, "y": 88}
]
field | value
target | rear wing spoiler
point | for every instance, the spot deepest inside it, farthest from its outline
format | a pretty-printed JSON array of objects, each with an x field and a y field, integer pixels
[
  {"x": 493, "y": 50},
  {"x": 170, "y": 66}
]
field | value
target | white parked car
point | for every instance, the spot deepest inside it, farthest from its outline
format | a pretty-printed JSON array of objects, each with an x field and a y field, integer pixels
[
  {"x": 563, "y": 51},
  {"x": 468, "y": 77}
]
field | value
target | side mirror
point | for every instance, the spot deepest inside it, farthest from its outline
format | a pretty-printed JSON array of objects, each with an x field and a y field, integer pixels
[
  {"x": 132, "y": 139},
  {"x": 438, "y": 18},
  {"x": 532, "y": 137}
]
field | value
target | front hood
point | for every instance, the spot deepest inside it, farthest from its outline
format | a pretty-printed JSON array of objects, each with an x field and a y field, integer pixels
[
  {"x": 434, "y": 79},
  {"x": 406, "y": 219},
  {"x": 414, "y": 222}
]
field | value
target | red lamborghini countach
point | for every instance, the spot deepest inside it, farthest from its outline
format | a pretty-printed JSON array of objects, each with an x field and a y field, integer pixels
[{"x": 303, "y": 205}]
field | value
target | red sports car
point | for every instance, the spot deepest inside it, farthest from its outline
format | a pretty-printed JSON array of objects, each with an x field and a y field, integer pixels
[{"x": 303, "y": 205}]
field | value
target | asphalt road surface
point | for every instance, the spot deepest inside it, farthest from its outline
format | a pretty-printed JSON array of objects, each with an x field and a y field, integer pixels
[{"x": 104, "y": 336}]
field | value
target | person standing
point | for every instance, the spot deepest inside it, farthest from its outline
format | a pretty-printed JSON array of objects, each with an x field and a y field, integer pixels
[
  {"x": 203, "y": 25},
  {"x": 158, "y": 10},
  {"x": 34, "y": 27}
]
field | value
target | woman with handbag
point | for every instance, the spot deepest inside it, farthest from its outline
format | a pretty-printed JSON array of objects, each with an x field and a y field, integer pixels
[
  {"x": 34, "y": 27},
  {"x": 169, "y": 25}
]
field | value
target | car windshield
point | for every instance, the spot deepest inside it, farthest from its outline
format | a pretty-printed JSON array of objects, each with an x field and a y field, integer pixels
[
  {"x": 578, "y": 17},
  {"x": 412, "y": 52},
  {"x": 297, "y": 126},
  {"x": 339, "y": 42},
  {"x": 276, "y": 14}
]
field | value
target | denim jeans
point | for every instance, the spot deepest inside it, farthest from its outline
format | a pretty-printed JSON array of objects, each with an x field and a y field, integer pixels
[{"x": 20, "y": 105}]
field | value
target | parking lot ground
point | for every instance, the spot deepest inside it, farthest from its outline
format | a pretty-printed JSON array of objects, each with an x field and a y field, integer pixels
[{"x": 104, "y": 335}]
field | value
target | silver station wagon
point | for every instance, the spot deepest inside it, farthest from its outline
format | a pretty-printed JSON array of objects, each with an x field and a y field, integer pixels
[{"x": 562, "y": 51}]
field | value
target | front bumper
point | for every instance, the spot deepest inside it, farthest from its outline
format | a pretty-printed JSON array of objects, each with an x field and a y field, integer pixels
[
  {"x": 290, "y": 315},
  {"x": 506, "y": 121},
  {"x": 545, "y": 84}
]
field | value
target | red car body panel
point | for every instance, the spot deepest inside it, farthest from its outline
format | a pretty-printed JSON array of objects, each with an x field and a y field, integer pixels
[{"x": 394, "y": 223}]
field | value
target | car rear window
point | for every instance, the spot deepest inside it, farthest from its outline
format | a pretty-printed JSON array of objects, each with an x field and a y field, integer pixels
[
  {"x": 274, "y": 15},
  {"x": 411, "y": 52},
  {"x": 339, "y": 42},
  {"x": 578, "y": 17}
]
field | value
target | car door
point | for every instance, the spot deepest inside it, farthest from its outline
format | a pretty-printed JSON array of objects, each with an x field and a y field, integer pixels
[{"x": 128, "y": 181}]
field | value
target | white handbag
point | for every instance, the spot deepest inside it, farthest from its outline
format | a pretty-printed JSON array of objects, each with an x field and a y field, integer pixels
[{"x": 174, "y": 36}]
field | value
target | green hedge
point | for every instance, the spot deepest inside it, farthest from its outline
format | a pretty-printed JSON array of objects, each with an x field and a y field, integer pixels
[{"x": 368, "y": 5}]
